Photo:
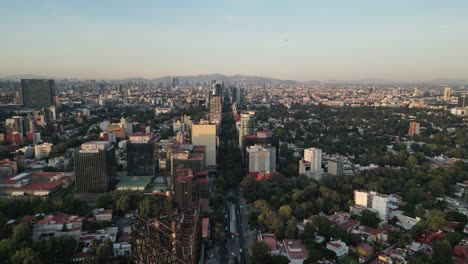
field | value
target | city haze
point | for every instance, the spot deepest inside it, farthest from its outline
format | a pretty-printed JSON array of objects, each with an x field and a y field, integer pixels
[{"x": 343, "y": 40}]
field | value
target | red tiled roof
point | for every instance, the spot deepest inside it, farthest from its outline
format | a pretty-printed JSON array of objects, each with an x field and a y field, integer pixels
[
  {"x": 270, "y": 240},
  {"x": 296, "y": 244}
]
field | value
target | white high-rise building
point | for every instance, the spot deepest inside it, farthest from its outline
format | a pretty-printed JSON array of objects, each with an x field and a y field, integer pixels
[
  {"x": 376, "y": 201},
  {"x": 447, "y": 94},
  {"x": 361, "y": 198},
  {"x": 247, "y": 126},
  {"x": 206, "y": 135},
  {"x": 314, "y": 156},
  {"x": 380, "y": 204},
  {"x": 262, "y": 158}
]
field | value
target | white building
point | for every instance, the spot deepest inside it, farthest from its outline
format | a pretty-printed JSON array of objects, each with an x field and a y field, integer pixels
[
  {"x": 43, "y": 150},
  {"x": 339, "y": 247},
  {"x": 379, "y": 202},
  {"x": 262, "y": 158},
  {"x": 314, "y": 156},
  {"x": 459, "y": 111}
]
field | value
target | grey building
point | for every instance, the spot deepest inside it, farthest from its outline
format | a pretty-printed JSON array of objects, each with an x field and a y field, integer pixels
[{"x": 37, "y": 93}]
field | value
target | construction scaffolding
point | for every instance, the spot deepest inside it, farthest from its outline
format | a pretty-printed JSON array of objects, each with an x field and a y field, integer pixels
[{"x": 168, "y": 239}]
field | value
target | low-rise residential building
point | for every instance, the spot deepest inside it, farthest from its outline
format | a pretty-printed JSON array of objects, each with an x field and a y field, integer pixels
[
  {"x": 295, "y": 250},
  {"x": 101, "y": 214},
  {"x": 57, "y": 225},
  {"x": 339, "y": 247}
]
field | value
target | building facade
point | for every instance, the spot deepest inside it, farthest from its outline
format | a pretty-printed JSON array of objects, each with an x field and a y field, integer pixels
[
  {"x": 37, "y": 93},
  {"x": 206, "y": 135},
  {"x": 262, "y": 158},
  {"x": 94, "y": 167},
  {"x": 142, "y": 155},
  {"x": 247, "y": 126}
]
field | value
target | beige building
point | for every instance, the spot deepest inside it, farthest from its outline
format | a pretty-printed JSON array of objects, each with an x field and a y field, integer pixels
[
  {"x": 43, "y": 150},
  {"x": 206, "y": 135}
]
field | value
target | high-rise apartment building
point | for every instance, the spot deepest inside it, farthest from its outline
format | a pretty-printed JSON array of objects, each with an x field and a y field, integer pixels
[
  {"x": 142, "y": 155},
  {"x": 215, "y": 109},
  {"x": 413, "y": 129},
  {"x": 262, "y": 158},
  {"x": 314, "y": 156},
  {"x": 335, "y": 167},
  {"x": 37, "y": 93},
  {"x": 94, "y": 167},
  {"x": 247, "y": 126},
  {"x": 373, "y": 200},
  {"x": 447, "y": 94},
  {"x": 43, "y": 150},
  {"x": 206, "y": 135}
]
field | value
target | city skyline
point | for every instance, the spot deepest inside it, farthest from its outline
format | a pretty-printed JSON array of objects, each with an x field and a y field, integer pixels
[{"x": 400, "y": 41}]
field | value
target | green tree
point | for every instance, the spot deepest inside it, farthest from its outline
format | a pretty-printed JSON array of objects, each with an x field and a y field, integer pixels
[
  {"x": 453, "y": 238},
  {"x": 260, "y": 252},
  {"x": 22, "y": 233},
  {"x": 123, "y": 203},
  {"x": 442, "y": 252},
  {"x": 369, "y": 218},
  {"x": 284, "y": 212},
  {"x": 435, "y": 219},
  {"x": 25, "y": 256},
  {"x": 291, "y": 229}
]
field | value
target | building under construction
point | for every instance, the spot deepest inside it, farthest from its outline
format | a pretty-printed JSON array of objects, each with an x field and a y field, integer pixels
[{"x": 167, "y": 239}]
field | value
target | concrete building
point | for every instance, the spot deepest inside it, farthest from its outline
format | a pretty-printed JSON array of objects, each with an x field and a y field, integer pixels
[
  {"x": 447, "y": 94},
  {"x": 378, "y": 202},
  {"x": 53, "y": 226},
  {"x": 335, "y": 167},
  {"x": 339, "y": 247},
  {"x": 314, "y": 156},
  {"x": 247, "y": 126},
  {"x": 43, "y": 150},
  {"x": 262, "y": 158},
  {"x": 206, "y": 135},
  {"x": 215, "y": 109}
]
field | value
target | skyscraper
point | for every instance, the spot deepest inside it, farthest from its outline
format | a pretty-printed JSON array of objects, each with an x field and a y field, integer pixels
[
  {"x": 215, "y": 109},
  {"x": 142, "y": 155},
  {"x": 314, "y": 156},
  {"x": 94, "y": 166},
  {"x": 247, "y": 126},
  {"x": 462, "y": 100},
  {"x": 217, "y": 88},
  {"x": 206, "y": 135},
  {"x": 447, "y": 94},
  {"x": 37, "y": 93}
]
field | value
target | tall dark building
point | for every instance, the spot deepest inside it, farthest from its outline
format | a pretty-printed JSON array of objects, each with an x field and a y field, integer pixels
[
  {"x": 142, "y": 155},
  {"x": 37, "y": 92},
  {"x": 462, "y": 100},
  {"x": 94, "y": 167}
]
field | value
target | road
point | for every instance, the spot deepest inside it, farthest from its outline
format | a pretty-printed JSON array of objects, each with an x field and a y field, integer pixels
[{"x": 236, "y": 248}]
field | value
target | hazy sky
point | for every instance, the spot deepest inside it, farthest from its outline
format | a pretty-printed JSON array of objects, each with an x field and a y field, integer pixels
[{"x": 303, "y": 40}]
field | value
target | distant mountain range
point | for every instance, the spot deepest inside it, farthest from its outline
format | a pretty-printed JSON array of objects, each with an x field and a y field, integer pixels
[{"x": 255, "y": 79}]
